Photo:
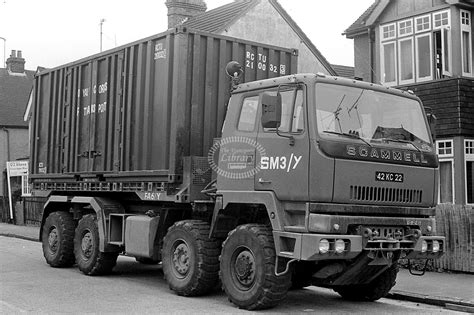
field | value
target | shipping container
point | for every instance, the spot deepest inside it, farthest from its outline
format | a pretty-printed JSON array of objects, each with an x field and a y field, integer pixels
[{"x": 135, "y": 111}]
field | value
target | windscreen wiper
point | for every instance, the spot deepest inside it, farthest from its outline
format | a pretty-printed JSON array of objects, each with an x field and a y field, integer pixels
[
  {"x": 399, "y": 141},
  {"x": 349, "y": 135}
]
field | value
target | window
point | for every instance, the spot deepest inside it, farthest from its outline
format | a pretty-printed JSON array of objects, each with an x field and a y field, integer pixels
[
  {"x": 424, "y": 57},
  {"x": 292, "y": 112},
  {"x": 388, "y": 31},
  {"x": 406, "y": 66},
  {"x": 445, "y": 148},
  {"x": 441, "y": 19},
  {"x": 442, "y": 51},
  {"x": 388, "y": 64},
  {"x": 405, "y": 28},
  {"x": 423, "y": 23},
  {"x": 248, "y": 114},
  {"x": 446, "y": 171},
  {"x": 469, "y": 157},
  {"x": 465, "y": 18},
  {"x": 25, "y": 187},
  {"x": 446, "y": 181},
  {"x": 466, "y": 43}
]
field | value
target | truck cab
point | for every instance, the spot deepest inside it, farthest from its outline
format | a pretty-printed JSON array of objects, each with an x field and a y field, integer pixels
[{"x": 346, "y": 171}]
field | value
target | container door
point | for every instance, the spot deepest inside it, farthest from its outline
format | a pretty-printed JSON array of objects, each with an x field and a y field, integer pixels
[
  {"x": 105, "y": 111},
  {"x": 284, "y": 169},
  {"x": 92, "y": 135},
  {"x": 83, "y": 107}
]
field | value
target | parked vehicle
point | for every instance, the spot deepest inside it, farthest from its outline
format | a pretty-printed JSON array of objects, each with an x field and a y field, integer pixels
[{"x": 268, "y": 179}]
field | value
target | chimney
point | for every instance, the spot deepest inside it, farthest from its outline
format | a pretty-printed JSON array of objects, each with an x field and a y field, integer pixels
[
  {"x": 16, "y": 63},
  {"x": 180, "y": 10}
]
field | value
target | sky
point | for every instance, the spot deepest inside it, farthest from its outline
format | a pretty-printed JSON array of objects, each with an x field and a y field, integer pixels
[{"x": 54, "y": 32}]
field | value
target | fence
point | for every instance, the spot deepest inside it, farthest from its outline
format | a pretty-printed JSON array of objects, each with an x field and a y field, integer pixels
[
  {"x": 33, "y": 209},
  {"x": 456, "y": 223}
]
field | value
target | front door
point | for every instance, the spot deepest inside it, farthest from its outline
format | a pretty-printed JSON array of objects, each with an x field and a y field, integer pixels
[{"x": 284, "y": 168}]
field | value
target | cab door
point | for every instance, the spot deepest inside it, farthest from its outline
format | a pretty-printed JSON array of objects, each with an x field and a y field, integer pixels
[{"x": 284, "y": 167}]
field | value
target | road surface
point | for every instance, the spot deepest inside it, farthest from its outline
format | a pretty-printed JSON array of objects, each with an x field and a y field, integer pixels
[{"x": 29, "y": 285}]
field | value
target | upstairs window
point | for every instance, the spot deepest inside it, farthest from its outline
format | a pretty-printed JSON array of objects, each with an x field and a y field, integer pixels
[
  {"x": 441, "y": 19},
  {"x": 388, "y": 31},
  {"x": 466, "y": 43},
  {"x": 423, "y": 23},
  {"x": 405, "y": 28},
  {"x": 389, "y": 63}
]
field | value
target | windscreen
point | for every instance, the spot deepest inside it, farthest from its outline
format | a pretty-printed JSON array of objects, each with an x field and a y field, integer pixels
[{"x": 370, "y": 115}]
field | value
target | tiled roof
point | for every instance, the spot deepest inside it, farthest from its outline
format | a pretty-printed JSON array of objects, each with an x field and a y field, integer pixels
[
  {"x": 359, "y": 24},
  {"x": 216, "y": 20},
  {"x": 344, "y": 71},
  {"x": 14, "y": 94}
]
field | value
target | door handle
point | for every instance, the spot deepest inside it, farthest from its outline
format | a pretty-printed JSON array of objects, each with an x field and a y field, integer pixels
[{"x": 262, "y": 181}]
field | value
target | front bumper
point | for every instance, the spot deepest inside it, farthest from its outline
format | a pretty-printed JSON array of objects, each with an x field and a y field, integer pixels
[{"x": 305, "y": 246}]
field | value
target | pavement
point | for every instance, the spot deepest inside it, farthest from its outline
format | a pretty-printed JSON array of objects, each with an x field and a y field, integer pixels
[{"x": 454, "y": 291}]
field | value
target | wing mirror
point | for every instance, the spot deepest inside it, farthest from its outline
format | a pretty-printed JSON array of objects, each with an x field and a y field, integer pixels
[{"x": 271, "y": 110}]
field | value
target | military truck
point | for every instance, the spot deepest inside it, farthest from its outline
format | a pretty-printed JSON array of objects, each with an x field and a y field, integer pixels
[{"x": 261, "y": 178}]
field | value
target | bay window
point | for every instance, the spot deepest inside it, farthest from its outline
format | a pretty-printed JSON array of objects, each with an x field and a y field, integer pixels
[
  {"x": 389, "y": 68},
  {"x": 466, "y": 43},
  {"x": 406, "y": 66},
  {"x": 424, "y": 57}
]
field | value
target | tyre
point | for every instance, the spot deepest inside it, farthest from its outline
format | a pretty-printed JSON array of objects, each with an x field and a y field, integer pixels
[
  {"x": 247, "y": 268},
  {"x": 58, "y": 239},
  {"x": 90, "y": 260},
  {"x": 190, "y": 258},
  {"x": 373, "y": 291},
  {"x": 301, "y": 275}
]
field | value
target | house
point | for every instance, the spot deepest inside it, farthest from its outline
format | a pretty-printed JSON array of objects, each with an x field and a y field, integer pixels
[
  {"x": 344, "y": 71},
  {"x": 426, "y": 46},
  {"x": 15, "y": 87},
  {"x": 263, "y": 21}
]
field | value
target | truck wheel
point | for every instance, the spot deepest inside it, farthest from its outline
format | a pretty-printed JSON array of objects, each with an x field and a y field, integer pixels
[
  {"x": 190, "y": 258},
  {"x": 89, "y": 259},
  {"x": 58, "y": 239},
  {"x": 247, "y": 266},
  {"x": 373, "y": 291}
]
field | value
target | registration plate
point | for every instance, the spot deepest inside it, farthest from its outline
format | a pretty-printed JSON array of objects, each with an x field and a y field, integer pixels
[{"x": 389, "y": 177}]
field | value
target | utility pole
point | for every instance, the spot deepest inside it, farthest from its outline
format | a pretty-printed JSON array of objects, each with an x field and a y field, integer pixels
[
  {"x": 4, "y": 51},
  {"x": 101, "y": 22}
]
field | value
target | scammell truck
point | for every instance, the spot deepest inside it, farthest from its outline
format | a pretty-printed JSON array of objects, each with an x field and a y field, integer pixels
[{"x": 210, "y": 156}]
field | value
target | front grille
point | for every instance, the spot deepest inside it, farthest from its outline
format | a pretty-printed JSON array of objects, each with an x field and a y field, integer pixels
[{"x": 385, "y": 194}]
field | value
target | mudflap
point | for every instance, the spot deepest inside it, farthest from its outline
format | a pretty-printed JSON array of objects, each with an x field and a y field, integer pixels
[{"x": 366, "y": 267}]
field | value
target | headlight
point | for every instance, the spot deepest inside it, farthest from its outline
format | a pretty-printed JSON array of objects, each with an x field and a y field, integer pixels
[
  {"x": 339, "y": 246},
  {"x": 323, "y": 246},
  {"x": 424, "y": 246},
  {"x": 435, "y": 246}
]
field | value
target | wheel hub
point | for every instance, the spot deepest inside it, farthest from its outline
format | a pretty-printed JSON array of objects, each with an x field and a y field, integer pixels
[
  {"x": 245, "y": 268},
  {"x": 181, "y": 259},
  {"x": 87, "y": 244},
  {"x": 53, "y": 239}
]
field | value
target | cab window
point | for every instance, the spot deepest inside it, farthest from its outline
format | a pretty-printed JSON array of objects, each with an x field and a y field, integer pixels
[
  {"x": 248, "y": 114},
  {"x": 292, "y": 112}
]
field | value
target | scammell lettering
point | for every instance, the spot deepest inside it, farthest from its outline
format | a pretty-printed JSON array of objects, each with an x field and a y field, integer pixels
[{"x": 385, "y": 154}]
